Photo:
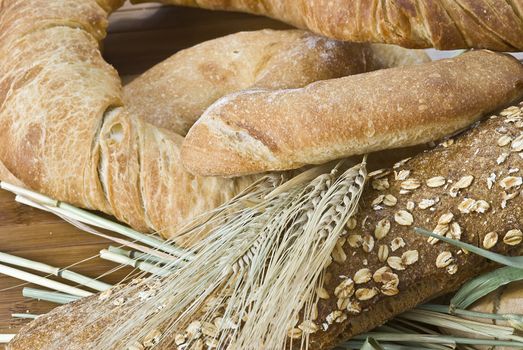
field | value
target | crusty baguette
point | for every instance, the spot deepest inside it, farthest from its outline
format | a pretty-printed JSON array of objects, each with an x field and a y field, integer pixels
[
  {"x": 449, "y": 189},
  {"x": 489, "y": 24},
  {"x": 174, "y": 93},
  {"x": 258, "y": 130}
]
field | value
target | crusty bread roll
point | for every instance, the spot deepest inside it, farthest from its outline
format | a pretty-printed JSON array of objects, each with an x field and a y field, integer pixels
[
  {"x": 259, "y": 130},
  {"x": 463, "y": 189},
  {"x": 174, "y": 93},
  {"x": 489, "y": 24}
]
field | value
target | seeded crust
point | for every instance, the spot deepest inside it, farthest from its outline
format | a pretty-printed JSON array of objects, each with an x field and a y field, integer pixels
[
  {"x": 489, "y": 24},
  {"x": 476, "y": 153},
  {"x": 254, "y": 131}
]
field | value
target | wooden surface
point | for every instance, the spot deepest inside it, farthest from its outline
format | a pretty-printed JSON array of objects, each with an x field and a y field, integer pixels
[{"x": 139, "y": 37}]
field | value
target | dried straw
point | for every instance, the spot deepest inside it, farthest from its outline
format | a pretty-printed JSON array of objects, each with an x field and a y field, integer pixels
[
  {"x": 25, "y": 316},
  {"x": 42, "y": 281},
  {"x": 65, "y": 210},
  {"x": 53, "y": 297},
  {"x": 265, "y": 244},
  {"x": 64, "y": 273}
]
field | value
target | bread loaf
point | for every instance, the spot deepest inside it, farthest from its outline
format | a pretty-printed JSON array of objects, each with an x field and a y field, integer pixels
[
  {"x": 66, "y": 133},
  {"x": 6, "y": 175},
  {"x": 495, "y": 25},
  {"x": 465, "y": 188},
  {"x": 65, "y": 130},
  {"x": 258, "y": 130},
  {"x": 174, "y": 93}
]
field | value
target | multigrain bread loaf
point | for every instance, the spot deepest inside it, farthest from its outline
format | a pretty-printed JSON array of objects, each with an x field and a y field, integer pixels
[
  {"x": 259, "y": 130},
  {"x": 174, "y": 93},
  {"x": 65, "y": 130},
  {"x": 496, "y": 25},
  {"x": 467, "y": 188}
]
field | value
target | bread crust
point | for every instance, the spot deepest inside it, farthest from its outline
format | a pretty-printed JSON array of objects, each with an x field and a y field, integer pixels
[
  {"x": 66, "y": 131},
  {"x": 259, "y": 130},
  {"x": 175, "y": 93},
  {"x": 475, "y": 153},
  {"x": 442, "y": 24}
]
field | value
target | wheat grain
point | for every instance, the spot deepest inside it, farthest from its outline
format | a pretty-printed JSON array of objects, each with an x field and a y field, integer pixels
[{"x": 266, "y": 244}]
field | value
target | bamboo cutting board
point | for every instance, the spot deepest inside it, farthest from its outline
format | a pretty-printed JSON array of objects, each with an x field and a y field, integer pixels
[{"x": 139, "y": 37}]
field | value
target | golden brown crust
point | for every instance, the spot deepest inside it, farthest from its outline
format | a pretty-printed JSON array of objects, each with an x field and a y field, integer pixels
[
  {"x": 476, "y": 153},
  {"x": 174, "y": 93},
  {"x": 68, "y": 135},
  {"x": 255, "y": 131},
  {"x": 54, "y": 91},
  {"x": 7, "y": 176},
  {"x": 57, "y": 101},
  {"x": 443, "y": 24}
]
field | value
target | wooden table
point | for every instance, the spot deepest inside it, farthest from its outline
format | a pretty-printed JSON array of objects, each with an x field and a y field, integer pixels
[{"x": 139, "y": 37}]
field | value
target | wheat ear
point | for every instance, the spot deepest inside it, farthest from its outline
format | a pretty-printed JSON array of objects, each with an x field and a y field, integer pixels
[{"x": 252, "y": 280}]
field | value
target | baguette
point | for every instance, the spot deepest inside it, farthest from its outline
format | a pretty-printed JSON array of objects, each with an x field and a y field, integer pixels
[
  {"x": 174, "y": 93},
  {"x": 449, "y": 189},
  {"x": 258, "y": 130},
  {"x": 445, "y": 25}
]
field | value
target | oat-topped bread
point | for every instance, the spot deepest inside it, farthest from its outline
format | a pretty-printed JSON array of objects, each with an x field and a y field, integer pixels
[
  {"x": 66, "y": 130},
  {"x": 454, "y": 24},
  {"x": 467, "y": 188},
  {"x": 174, "y": 93},
  {"x": 261, "y": 130}
]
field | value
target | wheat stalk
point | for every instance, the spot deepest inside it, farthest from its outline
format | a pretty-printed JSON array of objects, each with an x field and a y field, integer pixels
[
  {"x": 53, "y": 297},
  {"x": 56, "y": 271},
  {"x": 270, "y": 243},
  {"x": 82, "y": 218}
]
